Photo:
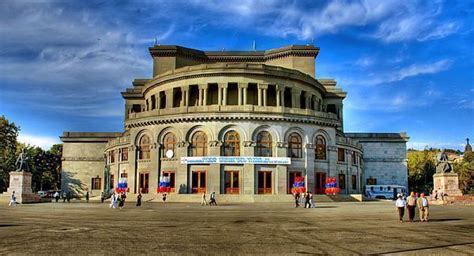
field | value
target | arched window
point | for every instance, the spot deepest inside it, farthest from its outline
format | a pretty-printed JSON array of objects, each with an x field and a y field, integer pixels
[
  {"x": 144, "y": 148},
  {"x": 264, "y": 144},
  {"x": 169, "y": 142},
  {"x": 320, "y": 150},
  {"x": 231, "y": 144},
  {"x": 199, "y": 144},
  {"x": 295, "y": 146}
]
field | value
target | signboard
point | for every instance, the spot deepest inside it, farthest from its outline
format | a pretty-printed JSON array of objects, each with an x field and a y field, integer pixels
[{"x": 235, "y": 160}]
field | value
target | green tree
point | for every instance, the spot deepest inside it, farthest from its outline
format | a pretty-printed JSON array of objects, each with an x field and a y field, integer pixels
[
  {"x": 465, "y": 169},
  {"x": 8, "y": 142},
  {"x": 421, "y": 167}
]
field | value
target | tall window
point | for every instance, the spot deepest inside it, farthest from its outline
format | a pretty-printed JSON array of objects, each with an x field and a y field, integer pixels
[
  {"x": 96, "y": 183},
  {"x": 112, "y": 156},
  {"x": 124, "y": 153},
  {"x": 342, "y": 181},
  {"x": 354, "y": 157},
  {"x": 231, "y": 144},
  {"x": 144, "y": 148},
  {"x": 264, "y": 144},
  {"x": 320, "y": 148},
  {"x": 199, "y": 144},
  {"x": 341, "y": 155},
  {"x": 354, "y": 182},
  {"x": 169, "y": 142},
  {"x": 295, "y": 146}
]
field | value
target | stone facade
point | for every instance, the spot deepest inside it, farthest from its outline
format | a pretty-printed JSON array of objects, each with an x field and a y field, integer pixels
[{"x": 231, "y": 104}]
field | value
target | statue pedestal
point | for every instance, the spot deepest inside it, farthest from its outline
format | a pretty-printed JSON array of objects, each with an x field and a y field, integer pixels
[
  {"x": 20, "y": 182},
  {"x": 448, "y": 183}
]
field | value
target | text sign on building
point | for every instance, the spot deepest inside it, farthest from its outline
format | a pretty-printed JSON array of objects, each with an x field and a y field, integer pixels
[{"x": 235, "y": 160}]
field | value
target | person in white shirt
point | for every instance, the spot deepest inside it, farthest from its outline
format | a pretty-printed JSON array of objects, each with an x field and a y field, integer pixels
[
  {"x": 423, "y": 207},
  {"x": 400, "y": 204},
  {"x": 12, "y": 200}
]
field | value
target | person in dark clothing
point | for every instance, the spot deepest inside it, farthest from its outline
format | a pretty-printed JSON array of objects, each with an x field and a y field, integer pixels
[
  {"x": 297, "y": 199},
  {"x": 64, "y": 197},
  {"x": 102, "y": 197},
  {"x": 164, "y": 197},
  {"x": 411, "y": 204},
  {"x": 68, "y": 197},
  {"x": 306, "y": 202},
  {"x": 87, "y": 197},
  {"x": 122, "y": 200},
  {"x": 139, "y": 199}
]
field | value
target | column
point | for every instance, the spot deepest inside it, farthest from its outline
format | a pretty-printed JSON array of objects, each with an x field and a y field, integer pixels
[
  {"x": 214, "y": 170},
  {"x": 265, "y": 96},
  {"x": 182, "y": 185},
  {"x": 199, "y": 97},
  {"x": 278, "y": 95},
  {"x": 169, "y": 98},
  {"x": 242, "y": 93},
  {"x": 248, "y": 179},
  {"x": 184, "y": 96},
  {"x": 259, "y": 97},
  {"x": 204, "y": 93},
  {"x": 309, "y": 166},
  {"x": 224, "y": 96},
  {"x": 245, "y": 94},
  {"x": 262, "y": 94},
  {"x": 157, "y": 101},
  {"x": 281, "y": 173},
  {"x": 295, "y": 94},
  {"x": 219, "y": 95},
  {"x": 239, "y": 93}
]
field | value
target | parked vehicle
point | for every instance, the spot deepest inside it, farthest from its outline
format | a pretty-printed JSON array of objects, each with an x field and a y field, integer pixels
[
  {"x": 384, "y": 191},
  {"x": 43, "y": 194}
]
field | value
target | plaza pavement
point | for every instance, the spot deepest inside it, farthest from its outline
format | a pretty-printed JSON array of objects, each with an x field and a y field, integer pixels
[{"x": 259, "y": 228}]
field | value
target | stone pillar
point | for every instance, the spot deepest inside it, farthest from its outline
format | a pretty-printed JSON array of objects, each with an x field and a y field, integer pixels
[
  {"x": 214, "y": 170},
  {"x": 259, "y": 97},
  {"x": 182, "y": 173},
  {"x": 295, "y": 94},
  {"x": 248, "y": 176},
  {"x": 224, "y": 98},
  {"x": 131, "y": 172},
  {"x": 157, "y": 101},
  {"x": 309, "y": 165},
  {"x": 199, "y": 96},
  {"x": 281, "y": 173},
  {"x": 153, "y": 179},
  {"x": 204, "y": 103},
  {"x": 239, "y": 97},
  {"x": 245, "y": 86},
  {"x": 219, "y": 95},
  {"x": 262, "y": 94},
  {"x": 332, "y": 161},
  {"x": 169, "y": 98},
  {"x": 308, "y": 102},
  {"x": 281, "y": 95},
  {"x": 20, "y": 183},
  {"x": 184, "y": 96}
]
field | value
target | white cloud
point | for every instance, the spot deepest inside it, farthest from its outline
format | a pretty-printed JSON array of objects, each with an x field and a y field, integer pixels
[
  {"x": 39, "y": 141},
  {"x": 420, "y": 69}
]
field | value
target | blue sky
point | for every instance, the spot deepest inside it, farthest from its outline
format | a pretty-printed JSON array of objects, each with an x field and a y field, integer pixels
[{"x": 406, "y": 65}]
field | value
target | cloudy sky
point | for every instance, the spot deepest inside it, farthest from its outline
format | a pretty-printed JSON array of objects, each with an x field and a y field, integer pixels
[{"x": 406, "y": 65}]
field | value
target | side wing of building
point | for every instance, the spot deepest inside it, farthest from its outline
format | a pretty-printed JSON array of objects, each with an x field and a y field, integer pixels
[
  {"x": 83, "y": 161},
  {"x": 385, "y": 157}
]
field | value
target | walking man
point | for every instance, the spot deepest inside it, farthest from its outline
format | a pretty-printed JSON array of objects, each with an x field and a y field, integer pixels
[
  {"x": 400, "y": 204},
  {"x": 411, "y": 204},
  {"x": 56, "y": 196},
  {"x": 212, "y": 200},
  {"x": 203, "y": 199},
  {"x": 297, "y": 199},
  {"x": 64, "y": 197},
  {"x": 423, "y": 207},
  {"x": 139, "y": 199},
  {"x": 12, "y": 200},
  {"x": 87, "y": 197}
]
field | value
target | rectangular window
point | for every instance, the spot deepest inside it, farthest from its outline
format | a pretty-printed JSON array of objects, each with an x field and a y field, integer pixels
[
  {"x": 354, "y": 182},
  {"x": 291, "y": 180},
  {"x": 112, "y": 156},
  {"x": 96, "y": 182},
  {"x": 144, "y": 182},
  {"x": 111, "y": 185},
  {"x": 342, "y": 181},
  {"x": 341, "y": 155},
  {"x": 124, "y": 154},
  {"x": 198, "y": 182},
  {"x": 371, "y": 181},
  {"x": 231, "y": 182},
  {"x": 354, "y": 157}
]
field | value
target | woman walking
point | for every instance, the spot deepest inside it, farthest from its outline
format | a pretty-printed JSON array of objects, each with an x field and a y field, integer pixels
[{"x": 139, "y": 199}]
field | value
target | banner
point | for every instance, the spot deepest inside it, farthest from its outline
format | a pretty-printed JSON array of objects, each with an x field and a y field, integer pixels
[
  {"x": 235, "y": 160},
  {"x": 298, "y": 186},
  {"x": 122, "y": 185},
  {"x": 331, "y": 186},
  {"x": 164, "y": 185}
]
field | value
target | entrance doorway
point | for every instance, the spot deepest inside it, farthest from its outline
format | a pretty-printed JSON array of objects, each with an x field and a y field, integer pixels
[
  {"x": 144, "y": 182},
  {"x": 264, "y": 182},
  {"x": 198, "y": 182},
  {"x": 320, "y": 182},
  {"x": 172, "y": 177},
  {"x": 231, "y": 182},
  {"x": 291, "y": 180}
]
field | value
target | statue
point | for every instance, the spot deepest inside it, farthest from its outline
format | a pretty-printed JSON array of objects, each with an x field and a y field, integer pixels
[
  {"x": 443, "y": 165},
  {"x": 21, "y": 163}
]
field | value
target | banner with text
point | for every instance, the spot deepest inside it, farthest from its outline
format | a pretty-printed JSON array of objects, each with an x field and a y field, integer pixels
[{"x": 235, "y": 160}]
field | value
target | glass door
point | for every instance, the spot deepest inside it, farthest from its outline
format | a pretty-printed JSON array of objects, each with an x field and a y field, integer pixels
[
  {"x": 231, "y": 182},
  {"x": 264, "y": 182},
  {"x": 198, "y": 182}
]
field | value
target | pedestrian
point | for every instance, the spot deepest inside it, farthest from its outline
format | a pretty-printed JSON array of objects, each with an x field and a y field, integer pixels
[
  {"x": 212, "y": 199},
  {"x": 203, "y": 199},
  {"x": 311, "y": 201},
  {"x": 113, "y": 198},
  {"x": 12, "y": 200},
  {"x": 122, "y": 200},
  {"x": 102, "y": 197},
  {"x": 297, "y": 199},
  {"x": 68, "y": 197},
  {"x": 139, "y": 199},
  {"x": 56, "y": 196},
  {"x": 64, "y": 197},
  {"x": 400, "y": 204},
  {"x": 164, "y": 197},
  {"x": 87, "y": 197},
  {"x": 306, "y": 201},
  {"x": 411, "y": 204},
  {"x": 423, "y": 207}
]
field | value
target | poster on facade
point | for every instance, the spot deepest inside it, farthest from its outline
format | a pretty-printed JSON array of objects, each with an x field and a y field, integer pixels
[{"x": 235, "y": 160}]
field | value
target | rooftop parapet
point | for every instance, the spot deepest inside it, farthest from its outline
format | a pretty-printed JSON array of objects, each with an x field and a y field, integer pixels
[{"x": 379, "y": 137}]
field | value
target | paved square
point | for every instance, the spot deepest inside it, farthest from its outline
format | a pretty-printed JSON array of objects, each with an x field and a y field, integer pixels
[{"x": 265, "y": 228}]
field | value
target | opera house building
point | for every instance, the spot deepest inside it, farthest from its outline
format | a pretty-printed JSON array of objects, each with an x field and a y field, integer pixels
[{"x": 240, "y": 123}]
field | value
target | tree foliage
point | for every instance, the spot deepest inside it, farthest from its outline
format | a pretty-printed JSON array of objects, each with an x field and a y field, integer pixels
[
  {"x": 421, "y": 167},
  {"x": 8, "y": 145},
  {"x": 465, "y": 169}
]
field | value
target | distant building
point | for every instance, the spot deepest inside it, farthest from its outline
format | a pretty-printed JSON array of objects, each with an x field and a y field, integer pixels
[{"x": 233, "y": 122}]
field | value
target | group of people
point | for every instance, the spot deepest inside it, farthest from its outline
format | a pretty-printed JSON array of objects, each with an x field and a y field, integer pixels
[
  {"x": 305, "y": 199},
  {"x": 117, "y": 200},
  {"x": 411, "y": 203},
  {"x": 212, "y": 199}
]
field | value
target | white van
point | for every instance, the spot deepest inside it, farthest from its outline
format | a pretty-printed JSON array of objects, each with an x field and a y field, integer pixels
[{"x": 384, "y": 191}]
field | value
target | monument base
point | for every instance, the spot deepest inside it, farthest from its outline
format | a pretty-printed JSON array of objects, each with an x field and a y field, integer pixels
[
  {"x": 20, "y": 182},
  {"x": 447, "y": 183}
]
